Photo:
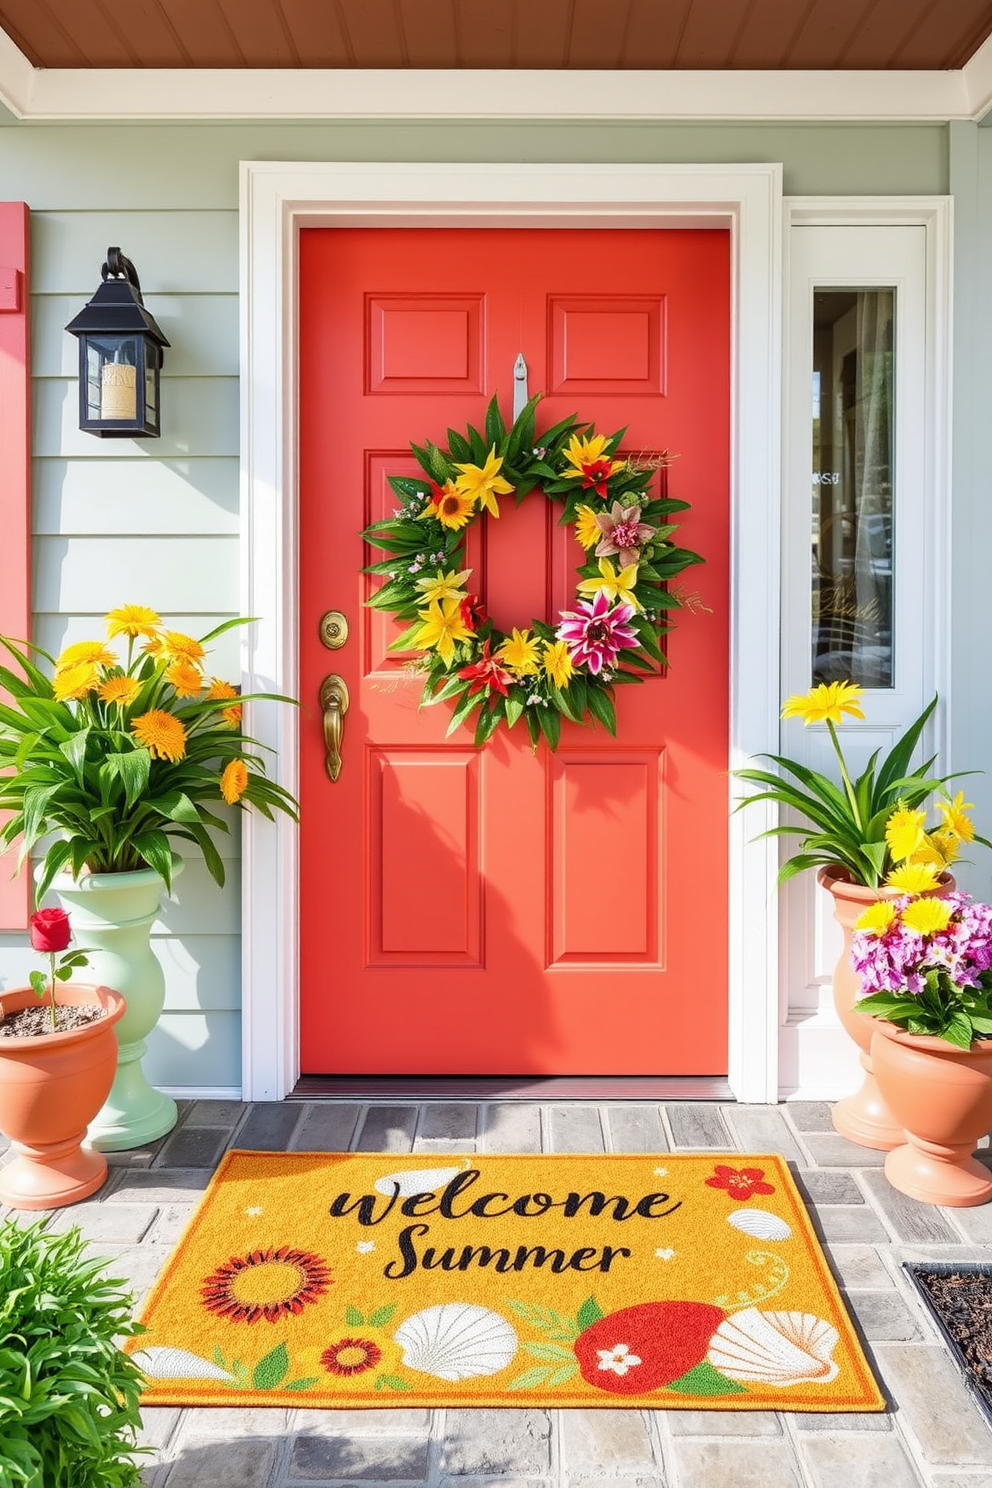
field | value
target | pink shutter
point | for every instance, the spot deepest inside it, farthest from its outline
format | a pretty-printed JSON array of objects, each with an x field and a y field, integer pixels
[{"x": 15, "y": 481}]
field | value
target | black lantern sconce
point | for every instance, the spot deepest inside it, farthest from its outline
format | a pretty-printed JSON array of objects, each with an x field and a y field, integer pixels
[{"x": 120, "y": 357}]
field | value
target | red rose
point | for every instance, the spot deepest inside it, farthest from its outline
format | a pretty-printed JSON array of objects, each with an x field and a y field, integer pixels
[{"x": 50, "y": 930}]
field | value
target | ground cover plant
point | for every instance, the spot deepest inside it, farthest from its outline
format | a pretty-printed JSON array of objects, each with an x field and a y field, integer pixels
[{"x": 68, "y": 1395}]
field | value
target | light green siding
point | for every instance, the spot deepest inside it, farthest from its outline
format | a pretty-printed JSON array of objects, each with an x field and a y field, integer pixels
[{"x": 155, "y": 522}]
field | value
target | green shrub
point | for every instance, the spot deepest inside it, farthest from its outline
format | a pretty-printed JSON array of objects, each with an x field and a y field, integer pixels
[{"x": 68, "y": 1395}]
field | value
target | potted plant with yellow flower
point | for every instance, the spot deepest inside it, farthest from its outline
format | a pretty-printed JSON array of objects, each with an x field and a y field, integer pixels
[
  {"x": 119, "y": 754},
  {"x": 867, "y": 837}
]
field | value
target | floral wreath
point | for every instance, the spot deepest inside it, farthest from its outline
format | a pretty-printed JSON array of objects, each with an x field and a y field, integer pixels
[{"x": 541, "y": 673}]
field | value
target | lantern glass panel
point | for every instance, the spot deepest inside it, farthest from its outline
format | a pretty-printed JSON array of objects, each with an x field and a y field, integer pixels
[
  {"x": 152, "y": 358},
  {"x": 111, "y": 390}
]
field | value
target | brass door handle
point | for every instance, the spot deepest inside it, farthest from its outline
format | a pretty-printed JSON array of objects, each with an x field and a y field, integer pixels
[{"x": 334, "y": 704}]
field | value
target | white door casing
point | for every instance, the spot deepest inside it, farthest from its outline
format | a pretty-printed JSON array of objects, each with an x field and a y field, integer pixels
[
  {"x": 837, "y": 243},
  {"x": 277, "y": 200}
]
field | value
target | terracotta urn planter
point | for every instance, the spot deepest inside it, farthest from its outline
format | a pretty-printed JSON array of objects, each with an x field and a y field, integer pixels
[
  {"x": 51, "y": 1087},
  {"x": 864, "y": 1117},
  {"x": 943, "y": 1097}
]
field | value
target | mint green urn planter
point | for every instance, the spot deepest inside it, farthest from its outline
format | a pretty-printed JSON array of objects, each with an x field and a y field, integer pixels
[{"x": 112, "y": 915}]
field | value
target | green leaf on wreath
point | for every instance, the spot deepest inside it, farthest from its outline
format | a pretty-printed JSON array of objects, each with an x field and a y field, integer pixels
[
  {"x": 705, "y": 1380},
  {"x": 272, "y": 1370}
]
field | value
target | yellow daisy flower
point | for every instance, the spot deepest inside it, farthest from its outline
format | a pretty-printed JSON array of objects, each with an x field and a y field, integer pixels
[
  {"x": 132, "y": 620},
  {"x": 484, "y": 482},
  {"x": 904, "y": 832},
  {"x": 179, "y": 647},
  {"x": 877, "y": 917},
  {"x": 442, "y": 627},
  {"x": 234, "y": 781},
  {"x": 75, "y": 681},
  {"x": 825, "y": 703},
  {"x": 913, "y": 878},
  {"x": 219, "y": 689},
  {"x": 521, "y": 653},
  {"x": 557, "y": 663},
  {"x": 590, "y": 462},
  {"x": 93, "y": 652},
  {"x": 939, "y": 847},
  {"x": 587, "y": 529},
  {"x": 955, "y": 820},
  {"x": 926, "y": 916},
  {"x": 154, "y": 646},
  {"x": 185, "y": 678},
  {"x": 444, "y": 586},
  {"x": 618, "y": 586},
  {"x": 121, "y": 690},
  {"x": 162, "y": 735},
  {"x": 453, "y": 509}
]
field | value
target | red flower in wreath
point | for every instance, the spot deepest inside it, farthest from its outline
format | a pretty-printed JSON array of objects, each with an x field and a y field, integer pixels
[
  {"x": 268, "y": 1284},
  {"x": 486, "y": 672},
  {"x": 473, "y": 611},
  {"x": 351, "y": 1356},
  {"x": 740, "y": 1183}
]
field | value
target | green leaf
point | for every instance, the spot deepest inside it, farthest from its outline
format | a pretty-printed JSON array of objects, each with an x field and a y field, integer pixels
[
  {"x": 271, "y": 1370},
  {"x": 530, "y": 1379},
  {"x": 590, "y": 1312},
  {"x": 381, "y": 1316},
  {"x": 601, "y": 707},
  {"x": 705, "y": 1380},
  {"x": 391, "y": 1382},
  {"x": 549, "y": 1351},
  {"x": 303, "y": 1384},
  {"x": 549, "y": 721},
  {"x": 354, "y": 1318},
  {"x": 566, "y": 1372}
]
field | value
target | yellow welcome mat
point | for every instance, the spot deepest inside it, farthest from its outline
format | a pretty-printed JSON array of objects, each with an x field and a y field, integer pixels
[{"x": 667, "y": 1281}]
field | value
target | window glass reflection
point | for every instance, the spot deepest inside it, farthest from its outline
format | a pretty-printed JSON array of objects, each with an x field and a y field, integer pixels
[{"x": 853, "y": 434}]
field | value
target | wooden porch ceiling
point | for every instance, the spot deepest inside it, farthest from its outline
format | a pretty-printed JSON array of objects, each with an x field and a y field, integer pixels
[{"x": 589, "y": 35}]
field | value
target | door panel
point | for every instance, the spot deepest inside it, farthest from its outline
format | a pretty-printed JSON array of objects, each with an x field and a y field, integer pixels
[{"x": 501, "y": 910}]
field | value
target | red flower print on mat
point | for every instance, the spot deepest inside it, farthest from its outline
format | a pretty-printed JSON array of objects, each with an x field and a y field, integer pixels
[
  {"x": 351, "y": 1356},
  {"x": 268, "y": 1284},
  {"x": 741, "y": 1183},
  {"x": 646, "y": 1346}
]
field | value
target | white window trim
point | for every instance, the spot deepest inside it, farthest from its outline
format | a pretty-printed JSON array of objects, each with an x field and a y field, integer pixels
[
  {"x": 818, "y": 1060},
  {"x": 277, "y": 199}
]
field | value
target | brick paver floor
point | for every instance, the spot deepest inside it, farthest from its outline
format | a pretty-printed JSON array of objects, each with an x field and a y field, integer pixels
[{"x": 932, "y": 1436}]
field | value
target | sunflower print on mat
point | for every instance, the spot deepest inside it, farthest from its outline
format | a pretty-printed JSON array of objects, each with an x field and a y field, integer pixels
[{"x": 273, "y": 1283}]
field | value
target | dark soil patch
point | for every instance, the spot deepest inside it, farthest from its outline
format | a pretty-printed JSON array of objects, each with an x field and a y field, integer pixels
[
  {"x": 960, "y": 1298},
  {"x": 30, "y": 1021}
]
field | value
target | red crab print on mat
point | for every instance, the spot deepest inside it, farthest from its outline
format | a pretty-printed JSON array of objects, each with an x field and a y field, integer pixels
[
  {"x": 646, "y": 1346},
  {"x": 273, "y": 1283},
  {"x": 740, "y": 1183}
]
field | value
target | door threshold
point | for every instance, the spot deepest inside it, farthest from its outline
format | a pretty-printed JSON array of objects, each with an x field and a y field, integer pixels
[{"x": 512, "y": 1087}]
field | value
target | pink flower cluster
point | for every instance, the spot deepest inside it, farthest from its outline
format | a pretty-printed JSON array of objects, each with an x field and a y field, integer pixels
[{"x": 899, "y": 960}]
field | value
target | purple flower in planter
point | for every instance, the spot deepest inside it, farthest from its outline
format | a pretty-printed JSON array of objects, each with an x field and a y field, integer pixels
[{"x": 595, "y": 633}]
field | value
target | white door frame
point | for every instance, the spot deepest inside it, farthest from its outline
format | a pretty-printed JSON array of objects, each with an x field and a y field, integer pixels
[{"x": 277, "y": 199}]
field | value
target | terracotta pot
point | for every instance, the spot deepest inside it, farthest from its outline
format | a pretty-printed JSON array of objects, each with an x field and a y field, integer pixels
[
  {"x": 51, "y": 1087},
  {"x": 863, "y": 1117},
  {"x": 943, "y": 1097}
]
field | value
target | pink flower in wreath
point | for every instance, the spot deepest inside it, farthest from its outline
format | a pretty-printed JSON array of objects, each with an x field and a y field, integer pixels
[
  {"x": 623, "y": 533},
  {"x": 595, "y": 634}
]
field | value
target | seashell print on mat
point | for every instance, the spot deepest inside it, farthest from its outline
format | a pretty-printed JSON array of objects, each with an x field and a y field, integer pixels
[
  {"x": 775, "y": 1348},
  {"x": 760, "y": 1224},
  {"x": 456, "y": 1341}
]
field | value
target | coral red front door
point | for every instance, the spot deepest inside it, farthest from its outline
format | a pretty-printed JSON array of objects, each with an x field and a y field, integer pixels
[{"x": 498, "y": 911}]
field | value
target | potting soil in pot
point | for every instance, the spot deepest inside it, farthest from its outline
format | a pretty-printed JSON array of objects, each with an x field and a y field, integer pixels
[{"x": 30, "y": 1021}]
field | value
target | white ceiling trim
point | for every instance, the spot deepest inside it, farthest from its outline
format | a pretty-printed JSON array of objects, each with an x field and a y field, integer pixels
[{"x": 54, "y": 94}]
